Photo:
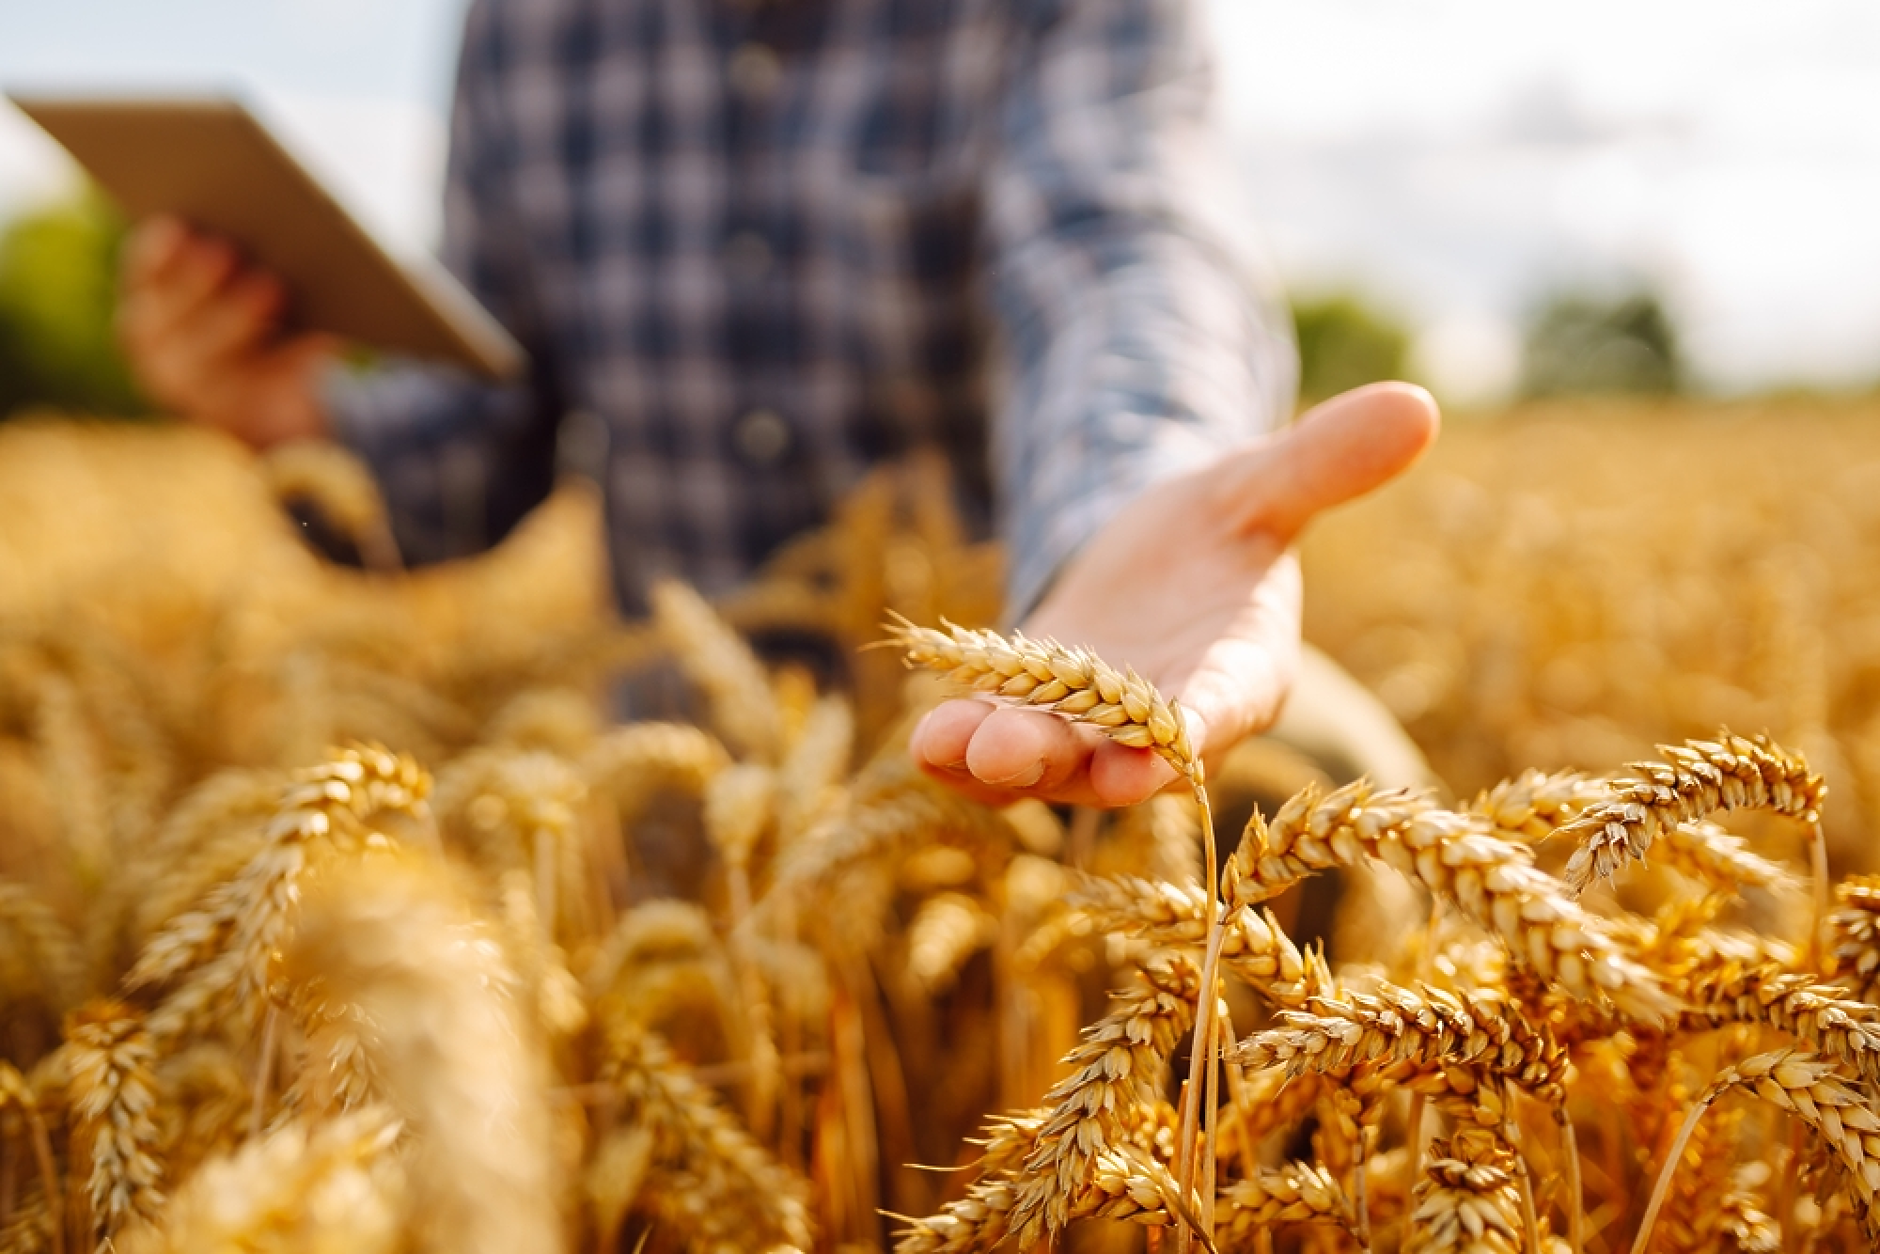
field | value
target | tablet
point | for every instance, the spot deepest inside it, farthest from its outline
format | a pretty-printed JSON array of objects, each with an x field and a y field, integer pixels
[{"x": 212, "y": 163}]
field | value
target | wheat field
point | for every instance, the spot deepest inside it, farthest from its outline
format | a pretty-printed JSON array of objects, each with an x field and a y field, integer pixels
[{"x": 336, "y": 912}]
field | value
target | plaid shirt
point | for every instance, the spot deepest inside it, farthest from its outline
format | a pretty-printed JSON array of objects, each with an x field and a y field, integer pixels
[{"x": 767, "y": 244}]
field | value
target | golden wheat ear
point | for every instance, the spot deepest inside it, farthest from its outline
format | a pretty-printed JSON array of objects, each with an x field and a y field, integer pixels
[{"x": 1045, "y": 675}]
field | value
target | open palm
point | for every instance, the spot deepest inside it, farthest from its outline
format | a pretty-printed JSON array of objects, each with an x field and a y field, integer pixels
[{"x": 1194, "y": 584}]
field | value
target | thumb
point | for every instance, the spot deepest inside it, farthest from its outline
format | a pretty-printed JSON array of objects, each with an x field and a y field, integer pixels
[{"x": 1337, "y": 451}]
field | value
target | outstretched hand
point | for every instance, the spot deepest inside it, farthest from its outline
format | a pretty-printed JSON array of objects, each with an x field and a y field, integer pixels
[{"x": 1194, "y": 584}]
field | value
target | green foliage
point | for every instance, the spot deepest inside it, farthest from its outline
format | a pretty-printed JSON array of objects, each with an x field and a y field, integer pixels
[
  {"x": 1579, "y": 344},
  {"x": 1343, "y": 344},
  {"x": 58, "y": 300}
]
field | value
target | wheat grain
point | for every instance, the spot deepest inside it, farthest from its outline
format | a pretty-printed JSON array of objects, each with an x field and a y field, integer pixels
[
  {"x": 224, "y": 946},
  {"x": 1428, "y": 1027},
  {"x": 37, "y": 952},
  {"x": 947, "y": 930},
  {"x": 1726, "y": 991},
  {"x": 740, "y": 803},
  {"x": 1045, "y": 675},
  {"x": 1533, "y": 805},
  {"x": 1468, "y": 1200},
  {"x": 891, "y": 808},
  {"x": 709, "y": 1179},
  {"x": 631, "y": 762},
  {"x": 1254, "y": 946},
  {"x": 1455, "y": 855},
  {"x": 1117, "y": 1068},
  {"x": 206, "y": 838},
  {"x": 1696, "y": 779},
  {"x": 1748, "y": 1228},
  {"x": 976, "y": 1222},
  {"x": 1293, "y": 1193},
  {"x": 1130, "y": 1185},
  {"x": 205, "y": 1106},
  {"x": 1693, "y": 1218},
  {"x": 1856, "y": 931},
  {"x": 614, "y": 1177},
  {"x": 810, "y": 780},
  {"x": 1712, "y": 856},
  {"x": 108, "y": 1057},
  {"x": 1809, "y": 1088},
  {"x": 439, "y": 1023},
  {"x": 323, "y": 1187}
]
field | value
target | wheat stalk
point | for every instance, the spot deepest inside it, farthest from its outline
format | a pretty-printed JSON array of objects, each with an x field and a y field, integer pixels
[{"x": 16, "y": 1093}]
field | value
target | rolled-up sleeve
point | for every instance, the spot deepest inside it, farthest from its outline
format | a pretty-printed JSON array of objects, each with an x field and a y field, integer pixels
[
  {"x": 461, "y": 460},
  {"x": 1139, "y": 334}
]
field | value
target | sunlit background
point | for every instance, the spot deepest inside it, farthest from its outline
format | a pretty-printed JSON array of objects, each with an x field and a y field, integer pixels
[
  {"x": 1634, "y": 245},
  {"x": 1459, "y": 189}
]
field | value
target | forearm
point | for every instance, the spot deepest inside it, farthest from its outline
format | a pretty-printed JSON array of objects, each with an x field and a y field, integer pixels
[
  {"x": 1141, "y": 336},
  {"x": 1161, "y": 366}
]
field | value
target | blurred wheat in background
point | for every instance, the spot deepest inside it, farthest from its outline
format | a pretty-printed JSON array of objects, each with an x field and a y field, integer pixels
[{"x": 336, "y": 913}]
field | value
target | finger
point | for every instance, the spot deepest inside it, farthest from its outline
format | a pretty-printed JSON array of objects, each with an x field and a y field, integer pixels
[
  {"x": 152, "y": 247},
  {"x": 940, "y": 738},
  {"x": 1241, "y": 679},
  {"x": 961, "y": 781},
  {"x": 200, "y": 269},
  {"x": 1027, "y": 750},
  {"x": 235, "y": 319},
  {"x": 1122, "y": 776},
  {"x": 1337, "y": 451}
]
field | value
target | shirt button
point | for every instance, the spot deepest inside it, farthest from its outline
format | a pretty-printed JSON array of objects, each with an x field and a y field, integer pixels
[
  {"x": 747, "y": 256},
  {"x": 754, "y": 71},
  {"x": 762, "y": 437}
]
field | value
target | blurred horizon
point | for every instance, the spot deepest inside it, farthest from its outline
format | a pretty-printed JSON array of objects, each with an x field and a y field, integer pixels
[{"x": 1454, "y": 165}]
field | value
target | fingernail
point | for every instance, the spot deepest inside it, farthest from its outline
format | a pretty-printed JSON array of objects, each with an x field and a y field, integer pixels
[{"x": 1025, "y": 779}]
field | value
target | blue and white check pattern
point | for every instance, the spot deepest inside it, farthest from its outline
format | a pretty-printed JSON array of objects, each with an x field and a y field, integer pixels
[{"x": 769, "y": 244}]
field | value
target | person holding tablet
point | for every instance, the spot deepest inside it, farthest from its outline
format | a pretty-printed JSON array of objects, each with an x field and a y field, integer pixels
[{"x": 768, "y": 243}]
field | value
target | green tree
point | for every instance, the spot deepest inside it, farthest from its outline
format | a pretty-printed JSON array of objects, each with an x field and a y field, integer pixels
[
  {"x": 1344, "y": 343},
  {"x": 1580, "y": 344},
  {"x": 58, "y": 299}
]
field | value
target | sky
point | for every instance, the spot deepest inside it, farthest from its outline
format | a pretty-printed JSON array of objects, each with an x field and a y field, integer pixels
[{"x": 1451, "y": 161}]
